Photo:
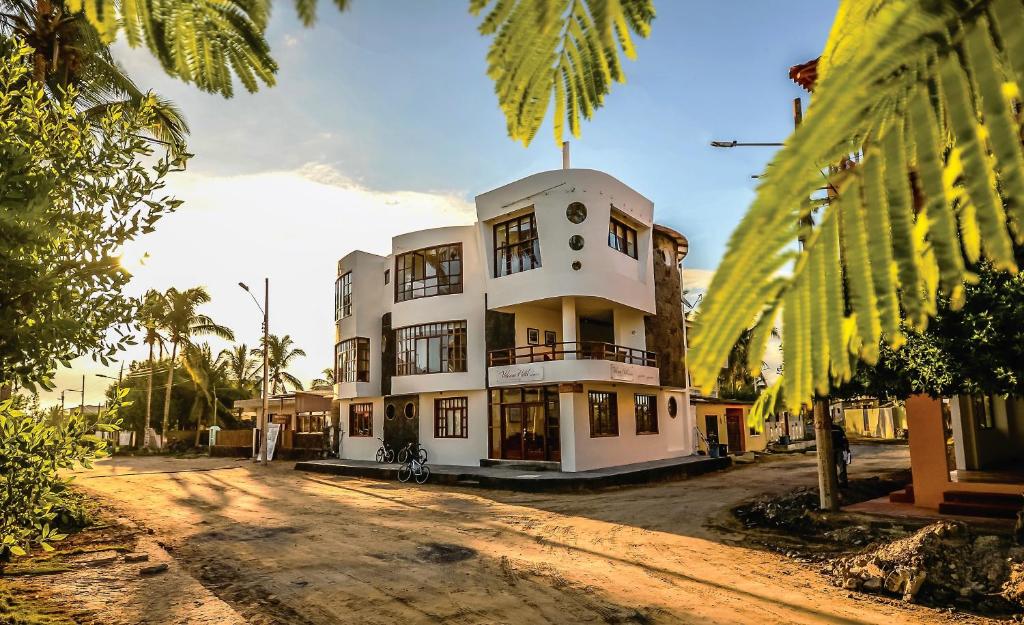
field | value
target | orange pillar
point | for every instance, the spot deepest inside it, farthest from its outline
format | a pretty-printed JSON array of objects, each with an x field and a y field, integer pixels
[{"x": 927, "y": 439}]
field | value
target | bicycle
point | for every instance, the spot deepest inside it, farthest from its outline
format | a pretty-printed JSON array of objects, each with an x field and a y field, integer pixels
[
  {"x": 414, "y": 468},
  {"x": 407, "y": 452},
  {"x": 385, "y": 454}
]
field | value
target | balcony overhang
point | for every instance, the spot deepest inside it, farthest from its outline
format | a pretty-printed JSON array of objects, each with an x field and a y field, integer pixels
[{"x": 572, "y": 371}]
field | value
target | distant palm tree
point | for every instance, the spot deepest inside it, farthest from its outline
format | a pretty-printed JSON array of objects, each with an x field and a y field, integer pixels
[
  {"x": 239, "y": 364},
  {"x": 281, "y": 355},
  {"x": 326, "y": 381},
  {"x": 207, "y": 373},
  {"x": 151, "y": 313},
  {"x": 181, "y": 322}
]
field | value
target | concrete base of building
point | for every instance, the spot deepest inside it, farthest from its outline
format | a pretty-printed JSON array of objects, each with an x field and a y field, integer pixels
[{"x": 507, "y": 478}]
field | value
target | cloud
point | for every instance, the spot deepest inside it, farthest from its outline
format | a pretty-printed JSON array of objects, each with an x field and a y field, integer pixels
[{"x": 289, "y": 226}]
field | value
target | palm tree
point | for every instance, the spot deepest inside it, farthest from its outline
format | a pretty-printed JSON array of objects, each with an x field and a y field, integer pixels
[
  {"x": 151, "y": 313},
  {"x": 181, "y": 323},
  {"x": 326, "y": 381},
  {"x": 239, "y": 364},
  {"x": 281, "y": 355},
  {"x": 913, "y": 119},
  {"x": 207, "y": 373},
  {"x": 69, "y": 52}
]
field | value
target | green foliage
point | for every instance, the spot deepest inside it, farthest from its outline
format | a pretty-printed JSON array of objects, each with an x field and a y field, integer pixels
[
  {"x": 736, "y": 380},
  {"x": 568, "y": 47},
  {"x": 72, "y": 193},
  {"x": 914, "y": 116},
  {"x": 282, "y": 354},
  {"x": 33, "y": 495}
]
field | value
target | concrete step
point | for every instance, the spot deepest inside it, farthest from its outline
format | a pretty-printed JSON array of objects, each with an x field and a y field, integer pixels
[
  {"x": 984, "y": 498},
  {"x": 979, "y": 510}
]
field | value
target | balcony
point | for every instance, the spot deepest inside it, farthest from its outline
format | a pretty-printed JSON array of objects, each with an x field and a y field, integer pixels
[{"x": 572, "y": 362}]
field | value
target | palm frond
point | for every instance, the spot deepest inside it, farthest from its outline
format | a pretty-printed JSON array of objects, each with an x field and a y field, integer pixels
[
  {"x": 568, "y": 49},
  {"x": 914, "y": 123}
]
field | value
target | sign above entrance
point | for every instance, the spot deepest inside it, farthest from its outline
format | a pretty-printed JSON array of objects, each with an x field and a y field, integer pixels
[
  {"x": 518, "y": 373},
  {"x": 633, "y": 373}
]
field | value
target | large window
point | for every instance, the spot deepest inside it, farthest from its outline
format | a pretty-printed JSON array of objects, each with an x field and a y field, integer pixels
[
  {"x": 360, "y": 419},
  {"x": 343, "y": 296},
  {"x": 431, "y": 348},
  {"x": 451, "y": 417},
  {"x": 516, "y": 246},
  {"x": 427, "y": 272},
  {"x": 646, "y": 407},
  {"x": 353, "y": 360},
  {"x": 621, "y": 237},
  {"x": 604, "y": 414}
]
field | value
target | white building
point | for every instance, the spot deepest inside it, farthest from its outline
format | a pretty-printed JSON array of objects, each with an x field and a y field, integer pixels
[{"x": 549, "y": 330}]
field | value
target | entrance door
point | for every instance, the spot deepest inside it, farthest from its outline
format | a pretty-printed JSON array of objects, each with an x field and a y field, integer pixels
[
  {"x": 401, "y": 421},
  {"x": 734, "y": 424},
  {"x": 512, "y": 431}
]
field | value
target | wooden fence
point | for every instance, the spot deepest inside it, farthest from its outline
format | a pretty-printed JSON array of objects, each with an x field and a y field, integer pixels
[{"x": 234, "y": 438}]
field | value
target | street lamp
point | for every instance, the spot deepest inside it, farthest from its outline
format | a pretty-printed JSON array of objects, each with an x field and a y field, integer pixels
[
  {"x": 740, "y": 144},
  {"x": 265, "y": 308}
]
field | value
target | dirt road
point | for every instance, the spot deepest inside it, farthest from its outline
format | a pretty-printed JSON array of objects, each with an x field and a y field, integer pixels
[{"x": 281, "y": 546}]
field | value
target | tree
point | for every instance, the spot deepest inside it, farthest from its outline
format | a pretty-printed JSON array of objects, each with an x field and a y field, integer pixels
[
  {"x": 916, "y": 110},
  {"x": 327, "y": 381},
  {"x": 736, "y": 380},
  {"x": 151, "y": 314},
  {"x": 566, "y": 50},
  {"x": 68, "y": 51},
  {"x": 281, "y": 355},
  {"x": 207, "y": 374},
  {"x": 70, "y": 198},
  {"x": 240, "y": 365},
  {"x": 182, "y": 323}
]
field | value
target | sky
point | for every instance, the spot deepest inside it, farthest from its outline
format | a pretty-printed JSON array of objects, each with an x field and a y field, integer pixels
[{"x": 384, "y": 121}]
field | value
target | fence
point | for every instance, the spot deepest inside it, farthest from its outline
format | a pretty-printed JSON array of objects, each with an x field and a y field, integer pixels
[{"x": 234, "y": 438}]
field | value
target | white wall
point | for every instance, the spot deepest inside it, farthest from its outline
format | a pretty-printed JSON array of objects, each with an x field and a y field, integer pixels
[
  {"x": 362, "y": 447},
  {"x": 458, "y": 451},
  {"x": 368, "y": 306},
  {"x": 673, "y": 438}
]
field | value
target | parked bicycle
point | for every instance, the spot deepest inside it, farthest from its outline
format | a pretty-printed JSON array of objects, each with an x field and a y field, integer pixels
[
  {"x": 414, "y": 468},
  {"x": 408, "y": 452},
  {"x": 385, "y": 453}
]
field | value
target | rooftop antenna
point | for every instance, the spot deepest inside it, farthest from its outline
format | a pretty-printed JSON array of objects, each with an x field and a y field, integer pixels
[{"x": 565, "y": 155}]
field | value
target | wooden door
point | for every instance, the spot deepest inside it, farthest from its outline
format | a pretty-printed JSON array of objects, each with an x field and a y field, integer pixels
[{"x": 734, "y": 425}]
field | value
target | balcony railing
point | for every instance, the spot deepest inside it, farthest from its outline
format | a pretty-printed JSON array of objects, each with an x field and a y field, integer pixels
[{"x": 582, "y": 350}]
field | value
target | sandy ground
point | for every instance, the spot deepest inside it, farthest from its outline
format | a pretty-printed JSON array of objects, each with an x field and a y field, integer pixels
[{"x": 281, "y": 546}]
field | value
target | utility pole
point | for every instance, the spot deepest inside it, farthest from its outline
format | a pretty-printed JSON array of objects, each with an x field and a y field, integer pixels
[{"x": 266, "y": 370}]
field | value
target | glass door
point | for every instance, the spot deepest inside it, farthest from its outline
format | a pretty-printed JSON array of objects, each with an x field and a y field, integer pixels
[{"x": 512, "y": 431}]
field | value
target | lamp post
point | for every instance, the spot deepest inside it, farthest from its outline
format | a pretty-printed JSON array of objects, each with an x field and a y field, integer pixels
[
  {"x": 741, "y": 144},
  {"x": 265, "y": 308}
]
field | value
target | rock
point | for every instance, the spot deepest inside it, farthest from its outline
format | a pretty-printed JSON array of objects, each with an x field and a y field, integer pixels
[
  {"x": 154, "y": 569},
  {"x": 872, "y": 584},
  {"x": 136, "y": 557},
  {"x": 852, "y": 583}
]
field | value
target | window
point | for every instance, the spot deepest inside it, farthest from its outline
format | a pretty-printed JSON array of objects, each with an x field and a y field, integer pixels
[
  {"x": 622, "y": 238},
  {"x": 427, "y": 272},
  {"x": 604, "y": 414},
  {"x": 310, "y": 423},
  {"x": 516, "y": 246},
  {"x": 360, "y": 419},
  {"x": 431, "y": 348},
  {"x": 387, "y": 276},
  {"x": 646, "y": 409},
  {"x": 353, "y": 360},
  {"x": 451, "y": 417},
  {"x": 343, "y": 296}
]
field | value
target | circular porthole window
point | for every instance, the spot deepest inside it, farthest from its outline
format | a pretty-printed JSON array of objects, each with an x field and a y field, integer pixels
[
  {"x": 673, "y": 408},
  {"x": 576, "y": 242},
  {"x": 410, "y": 410},
  {"x": 576, "y": 265},
  {"x": 389, "y": 412},
  {"x": 576, "y": 212}
]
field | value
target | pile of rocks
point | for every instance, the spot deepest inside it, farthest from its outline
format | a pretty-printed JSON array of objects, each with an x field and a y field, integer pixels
[
  {"x": 793, "y": 512},
  {"x": 943, "y": 564}
]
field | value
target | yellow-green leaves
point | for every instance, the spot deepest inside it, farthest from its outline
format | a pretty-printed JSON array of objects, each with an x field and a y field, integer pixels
[
  {"x": 915, "y": 107},
  {"x": 568, "y": 48}
]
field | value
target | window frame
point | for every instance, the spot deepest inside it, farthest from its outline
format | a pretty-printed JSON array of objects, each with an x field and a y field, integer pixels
[
  {"x": 985, "y": 419},
  {"x": 458, "y": 409},
  {"x": 649, "y": 408},
  {"x": 524, "y": 248},
  {"x": 406, "y": 290},
  {"x": 611, "y": 398},
  {"x": 363, "y": 411},
  {"x": 621, "y": 243},
  {"x": 343, "y": 296},
  {"x": 359, "y": 349},
  {"x": 451, "y": 335}
]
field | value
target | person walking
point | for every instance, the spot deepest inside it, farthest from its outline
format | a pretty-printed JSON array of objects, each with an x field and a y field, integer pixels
[{"x": 840, "y": 450}]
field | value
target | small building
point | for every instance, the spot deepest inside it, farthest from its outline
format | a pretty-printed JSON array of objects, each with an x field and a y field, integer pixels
[
  {"x": 550, "y": 330},
  {"x": 726, "y": 421},
  {"x": 304, "y": 417}
]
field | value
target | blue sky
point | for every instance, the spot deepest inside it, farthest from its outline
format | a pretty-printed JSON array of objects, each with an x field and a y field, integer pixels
[{"x": 388, "y": 104}]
